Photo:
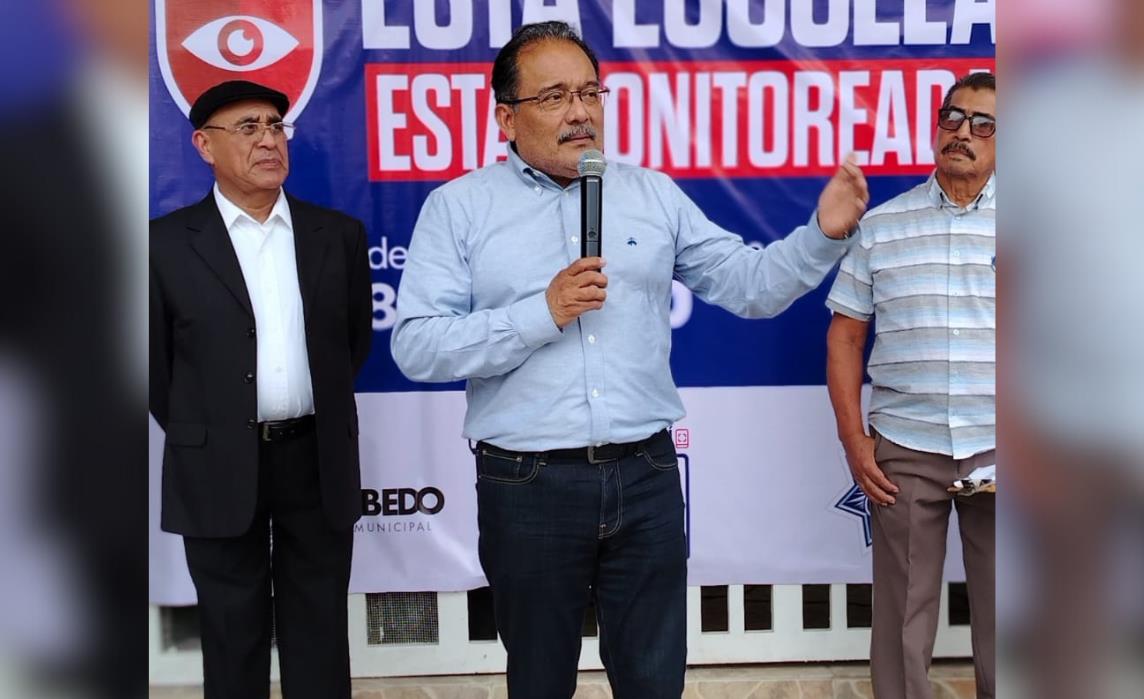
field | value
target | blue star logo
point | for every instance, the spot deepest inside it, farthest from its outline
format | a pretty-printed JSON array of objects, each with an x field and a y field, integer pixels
[{"x": 854, "y": 503}]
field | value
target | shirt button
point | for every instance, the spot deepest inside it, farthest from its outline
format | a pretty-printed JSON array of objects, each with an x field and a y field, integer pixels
[
  {"x": 956, "y": 331},
  {"x": 537, "y": 188},
  {"x": 957, "y": 253},
  {"x": 595, "y": 393},
  {"x": 250, "y": 332},
  {"x": 575, "y": 239},
  {"x": 251, "y": 424},
  {"x": 249, "y": 378},
  {"x": 592, "y": 339}
]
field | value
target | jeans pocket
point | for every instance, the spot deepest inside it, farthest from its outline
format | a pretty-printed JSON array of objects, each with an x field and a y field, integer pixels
[
  {"x": 504, "y": 468},
  {"x": 660, "y": 455}
]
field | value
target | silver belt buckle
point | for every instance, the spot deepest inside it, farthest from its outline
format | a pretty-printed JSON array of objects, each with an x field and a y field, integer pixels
[
  {"x": 592, "y": 457},
  {"x": 264, "y": 431}
]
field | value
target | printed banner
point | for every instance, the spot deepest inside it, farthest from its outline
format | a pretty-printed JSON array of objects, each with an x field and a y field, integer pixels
[{"x": 748, "y": 104}]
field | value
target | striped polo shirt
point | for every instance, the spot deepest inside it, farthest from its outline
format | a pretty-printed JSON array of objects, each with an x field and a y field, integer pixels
[{"x": 924, "y": 269}]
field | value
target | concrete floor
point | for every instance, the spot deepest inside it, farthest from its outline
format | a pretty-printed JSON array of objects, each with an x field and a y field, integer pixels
[{"x": 951, "y": 680}]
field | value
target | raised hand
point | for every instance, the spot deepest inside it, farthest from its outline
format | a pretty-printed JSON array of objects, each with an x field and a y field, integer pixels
[{"x": 843, "y": 200}]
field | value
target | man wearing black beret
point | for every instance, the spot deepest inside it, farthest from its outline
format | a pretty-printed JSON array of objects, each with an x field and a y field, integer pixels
[{"x": 259, "y": 321}]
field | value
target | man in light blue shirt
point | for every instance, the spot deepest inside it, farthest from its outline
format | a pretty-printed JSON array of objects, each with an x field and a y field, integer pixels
[{"x": 569, "y": 387}]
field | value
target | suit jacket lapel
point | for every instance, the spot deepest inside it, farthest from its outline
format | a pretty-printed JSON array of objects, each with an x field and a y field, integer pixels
[
  {"x": 309, "y": 250},
  {"x": 213, "y": 244}
]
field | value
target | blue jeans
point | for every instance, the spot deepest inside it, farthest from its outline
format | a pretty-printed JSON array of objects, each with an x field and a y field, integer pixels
[{"x": 555, "y": 534}]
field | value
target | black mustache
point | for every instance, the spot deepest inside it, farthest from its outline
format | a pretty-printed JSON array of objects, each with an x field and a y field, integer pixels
[
  {"x": 959, "y": 146},
  {"x": 575, "y": 132}
]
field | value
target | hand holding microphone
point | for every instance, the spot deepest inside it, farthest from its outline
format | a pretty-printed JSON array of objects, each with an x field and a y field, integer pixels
[
  {"x": 578, "y": 288},
  {"x": 581, "y": 286}
]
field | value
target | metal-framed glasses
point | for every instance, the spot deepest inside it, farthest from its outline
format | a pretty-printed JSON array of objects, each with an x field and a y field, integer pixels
[
  {"x": 558, "y": 99},
  {"x": 980, "y": 125},
  {"x": 255, "y": 129}
]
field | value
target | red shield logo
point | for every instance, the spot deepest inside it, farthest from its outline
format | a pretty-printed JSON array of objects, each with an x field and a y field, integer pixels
[{"x": 277, "y": 43}]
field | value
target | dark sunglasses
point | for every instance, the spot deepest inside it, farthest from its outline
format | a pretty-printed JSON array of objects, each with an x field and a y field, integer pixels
[{"x": 980, "y": 125}]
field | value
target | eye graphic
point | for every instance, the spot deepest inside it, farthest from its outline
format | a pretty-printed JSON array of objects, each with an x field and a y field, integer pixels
[{"x": 240, "y": 43}]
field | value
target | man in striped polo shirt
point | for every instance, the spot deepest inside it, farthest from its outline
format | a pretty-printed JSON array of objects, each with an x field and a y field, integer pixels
[{"x": 924, "y": 270}]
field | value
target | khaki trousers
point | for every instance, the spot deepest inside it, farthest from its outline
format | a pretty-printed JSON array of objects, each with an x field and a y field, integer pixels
[{"x": 909, "y": 555}]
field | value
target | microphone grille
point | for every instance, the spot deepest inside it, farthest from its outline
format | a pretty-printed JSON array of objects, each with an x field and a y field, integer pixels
[{"x": 591, "y": 163}]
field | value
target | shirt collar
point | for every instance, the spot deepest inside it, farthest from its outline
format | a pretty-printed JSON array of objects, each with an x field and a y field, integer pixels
[
  {"x": 231, "y": 213},
  {"x": 988, "y": 191},
  {"x": 938, "y": 198},
  {"x": 528, "y": 174}
]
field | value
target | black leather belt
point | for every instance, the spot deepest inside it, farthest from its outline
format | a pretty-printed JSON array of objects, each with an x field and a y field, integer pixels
[
  {"x": 592, "y": 455},
  {"x": 281, "y": 430}
]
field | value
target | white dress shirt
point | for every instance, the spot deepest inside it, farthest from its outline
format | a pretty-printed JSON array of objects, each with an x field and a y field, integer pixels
[{"x": 266, "y": 255}]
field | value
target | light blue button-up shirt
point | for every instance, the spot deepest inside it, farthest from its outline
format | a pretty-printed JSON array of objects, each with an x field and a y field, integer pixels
[{"x": 472, "y": 300}]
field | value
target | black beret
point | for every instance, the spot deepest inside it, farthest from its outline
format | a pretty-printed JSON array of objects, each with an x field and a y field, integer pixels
[{"x": 234, "y": 91}]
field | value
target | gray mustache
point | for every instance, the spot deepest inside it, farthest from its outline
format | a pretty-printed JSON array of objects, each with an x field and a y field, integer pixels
[
  {"x": 959, "y": 146},
  {"x": 576, "y": 132}
]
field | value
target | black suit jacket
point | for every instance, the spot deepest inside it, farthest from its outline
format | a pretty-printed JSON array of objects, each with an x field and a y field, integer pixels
[{"x": 203, "y": 345}]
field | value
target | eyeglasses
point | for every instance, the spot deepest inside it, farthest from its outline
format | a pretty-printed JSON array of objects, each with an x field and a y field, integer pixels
[
  {"x": 559, "y": 99},
  {"x": 980, "y": 125},
  {"x": 255, "y": 129}
]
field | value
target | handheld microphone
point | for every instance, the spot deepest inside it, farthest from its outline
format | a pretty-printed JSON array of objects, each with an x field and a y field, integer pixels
[{"x": 591, "y": 168}]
